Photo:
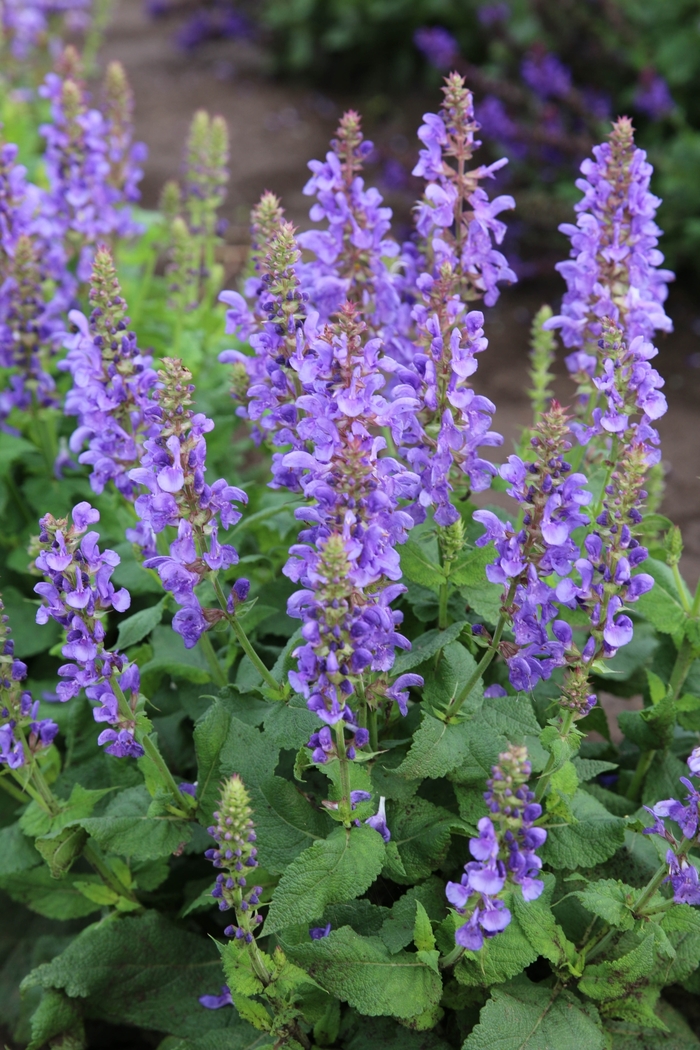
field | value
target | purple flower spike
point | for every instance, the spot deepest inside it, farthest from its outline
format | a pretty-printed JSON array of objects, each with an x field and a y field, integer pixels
[{"x": 503, "y": 853}]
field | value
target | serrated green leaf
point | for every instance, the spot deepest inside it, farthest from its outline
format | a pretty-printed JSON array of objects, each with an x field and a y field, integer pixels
[
  {"x": 436, "y": 749},
  {"x": 595, "y": 837},
  {"x": 127, "y": 829},
  {"x": 444, "y": 685},
  {"x": 501, "y": 957},
  {"x": 286, "y": 823},
  {"x": 137, "y": 627},
  {"x": 421, "y": 833},
  {"x": 614, "y": 979},
  {"x": 526, "y": 1016},
  {"x": 56, "y": 1015},
  {"x": 611, "y": 900},
  {"x": 330, "y": 871},
  {"x": 545, "y": 935},
  {"x": 661, "y": 606},
  {"x": 427, "y": 645},
  {"x": 417, "y": 566},
  {"x": 398, "y": 927},
  {"x": 589, "y": 768},
  {"x": 499, "y": 722},
  {"x": 290, "y": 725},
  {"x": 469, "y": 568},
  {"x": 62, "y": 850},
  {"x": 423, "y": 936},
  {"x": 145, "y": 971},
  {"x": 238, "y": 969},
  {"x": 362, "y": 972},
  {"x": 54, "y": 898}
]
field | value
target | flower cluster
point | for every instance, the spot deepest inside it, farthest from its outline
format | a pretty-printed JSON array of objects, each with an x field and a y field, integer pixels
[
  {"x": 22, "y": 733},
  {"x": 91, "y": 168},
  {"x": 77, "y": 590},
  {"x": 614, "y": 270},
  {"x": 235, "y": 856},
  {"x": 29, "y": 24},
  {"x": 172, "y": 469},
  {"x": 504, "y": 853},
  {"x": 682, "y": 873},
  {"x": 347, "y": 558},
  {"x": 438, "y": 46},
  {"x": 113, "y": 384}
]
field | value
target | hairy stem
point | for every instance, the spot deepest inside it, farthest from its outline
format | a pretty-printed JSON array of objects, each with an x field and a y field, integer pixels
[
  {"x": 218, "y": 673},
  {"x": 345, "y": 804},
  {"x": 95, "y": 859}
]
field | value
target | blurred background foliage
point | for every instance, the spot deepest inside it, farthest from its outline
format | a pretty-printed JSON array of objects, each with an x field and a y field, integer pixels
[{"x": 548, "y": 75}]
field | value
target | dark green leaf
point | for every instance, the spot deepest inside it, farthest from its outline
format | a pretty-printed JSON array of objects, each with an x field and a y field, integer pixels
[
  {"x": 333, "y": 870},
  {"x": 595, "y": 837},
  {"x": 427, "y": 645},
  {"x": 137, "y": 627},
  {"x": 286, "y": 823},
  {"x": 362, "y": 972},
  {"x": 527, "y": 1016},
  {"x": 17, "y": 852},
  {"x": 127, "y": 829},
  {"x": 56, "y": 1015},
  {"x": 421, "y": 833},
  {"x": 54, "y": 898}
]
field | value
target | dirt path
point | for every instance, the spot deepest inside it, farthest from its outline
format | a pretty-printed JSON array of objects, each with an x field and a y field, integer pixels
[{"x": 276, "y": 128}]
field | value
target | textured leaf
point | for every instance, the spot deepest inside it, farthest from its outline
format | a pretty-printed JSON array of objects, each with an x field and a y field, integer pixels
[
  {"x": 588, "y": 768},
  {"x": 17, "y": 852},
  {"x": 681, "y": 924},
  {"x": 28, "y": 638},
  {"x": 500, "y": 721},
  {"x": 362, "y": 972},
  {"x": 210, "y": 734},
  {"x": 382, "y": 1033},
  {"x": 421, "y": 833},
  {"x": 680, "y": 1036},
  {"x": 54, "y": 898},
  {"x": 127, "y": 829},
  {"x": 142, "y": 970},
  {"x": 137, "y": 627},
  {"x": 454, "y": 669},
  {"x": 333, "y": 870},
  {"x": 541, "y": 929},
  {"x": 611, "y": 900},
  {"x": 398, "y": 928},
  {"x": 526, "y": 1016},
  {"x": 613, "y": 979},
  {"x": 56, "y": 1014},
  {"x": 661, "y": 605},
  {"x": 427, "y": 645},
  {"x": 436, "y": 749},
  {"x": 364, "y": 917},
  {"x": 423, "y": 936},
  {"x": 595, "y": 837},
  {"x": 170, "y": 657},
  {"x": 290, "y": 725},
  {"x": 286, "y": 823},
  {"x": 417, "y": 566},
  {"x": 501, "y": 957}
]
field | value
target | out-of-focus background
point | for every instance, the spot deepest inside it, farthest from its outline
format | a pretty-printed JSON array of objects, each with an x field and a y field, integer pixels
[{"x": 547, "y": 75}]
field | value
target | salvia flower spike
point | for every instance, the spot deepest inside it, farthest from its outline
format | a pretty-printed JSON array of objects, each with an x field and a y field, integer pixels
[{"x": 235, "y": 855}]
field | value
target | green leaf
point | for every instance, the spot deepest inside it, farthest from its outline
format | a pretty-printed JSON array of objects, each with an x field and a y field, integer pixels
[
  {"x": 500, "y": 721},
  {"x": 589, "y": 768},
  {"x": 595, "y": 837},
  {"x": 436, "y": 749},
  {"x": 54, "y": 898},
  {"x": 541, "y": 929},
  {"x": 127, "y": 829},
  {"x": 611, "y": 900},
  {"x": 335, "y": 869},
  {"x": 286, "y": 823},
  {"x": 427, "y": 645},
  {"x": 616, "y": 978},
  {"x": 526, "y": 1016},
  {"x": 470, "y": 568},
  {"x": 382, "y": 1033},
  {"x": 17, "y": 852},
  {"x": 501, "y": 957},
  {"x": 661, "y": 605},
  {"x": 170, "y": 657},
  {"x": 421, "y": 833},
  {"x": 145, "y": 971},
  {"x": 470, "y": 576},
  {"x": 680, "y": 1036},
  {"x": 364, "y": 917},
  {"x": 137, "y": 627},
  {"x": 56, "y": 1015},
  {"x": 209, "y": 736},
  {"x": 62, "y": 850},
  {"x": 681, "y": 924},
  {"x": 417, "y": 566},
  {"x": 361, "y": 971},
  {"x": 455, "y": 668},
  {"x": 290, "y": 725},
  {"x": 398, "y": 928},
  {"x": 29, "y": 638},
  {"x": 423, "y": 936}
]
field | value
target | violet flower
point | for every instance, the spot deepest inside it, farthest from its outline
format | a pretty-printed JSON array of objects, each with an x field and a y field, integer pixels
[
  {"x": 437, "y": 45},
  {"x": 22, "y": 733},
  {"x": 614, "y": 270},
  {"x": 113, "y": 384},
  {"x": 546, "y": 74},
  {"x": 77, "y": 589},
  {"x": 653, "y": 97},
  {"x": 504, "y": 853}
]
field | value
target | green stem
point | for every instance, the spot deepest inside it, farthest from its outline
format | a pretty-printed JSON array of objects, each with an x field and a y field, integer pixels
[
  {"x": 695, "y": 610},
  {"x": 345, "y": 804},
  {"x": 442, "y": 613},
  {"x": 110, "y": 878},
  {"x": 449, "y": 960},
  {"x": 656, "y": 880},
  {"x": 680, "y": 586},
  {"x": 548, "y": 771},
  {"x": 681, "y": 668},
  {"x": 26, "y": 788},
  {"x": 166, "y": 776},
  {"x": 600, "y": 943},
  {"x": 486, "y": 659},
  {"x": 372, "y": 726},
  {"x": 12, "y": 789},
  {"x": 218, "y": 673},
  {"x": 250, "y": 652}
]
